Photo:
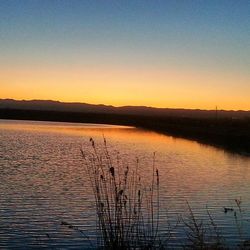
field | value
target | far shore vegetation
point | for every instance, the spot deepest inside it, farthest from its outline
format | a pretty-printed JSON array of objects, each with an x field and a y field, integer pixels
[{"x": 229, "y": 133}]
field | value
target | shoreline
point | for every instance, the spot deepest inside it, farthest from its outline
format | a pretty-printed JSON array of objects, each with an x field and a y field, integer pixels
[{"x": 232, "y": 135}]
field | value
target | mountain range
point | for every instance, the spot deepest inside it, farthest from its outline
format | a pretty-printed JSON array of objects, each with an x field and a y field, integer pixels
[{"x": 49, "y": 105}]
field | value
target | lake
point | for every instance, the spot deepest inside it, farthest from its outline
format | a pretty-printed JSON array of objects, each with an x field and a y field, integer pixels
[{"x": 43, "y": 182}]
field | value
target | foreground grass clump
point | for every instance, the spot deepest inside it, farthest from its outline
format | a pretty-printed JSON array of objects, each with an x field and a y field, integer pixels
[{"x": 127, "y": 209}]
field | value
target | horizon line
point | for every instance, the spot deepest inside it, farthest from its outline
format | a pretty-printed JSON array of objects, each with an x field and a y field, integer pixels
[{"x": 143, "y": 106}]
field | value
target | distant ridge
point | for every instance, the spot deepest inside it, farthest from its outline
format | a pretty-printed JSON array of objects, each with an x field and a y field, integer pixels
[{"x": 49, "y": 105}]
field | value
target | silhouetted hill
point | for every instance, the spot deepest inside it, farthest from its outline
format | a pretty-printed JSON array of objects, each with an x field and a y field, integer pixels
[{"x": 48, "y": 105}]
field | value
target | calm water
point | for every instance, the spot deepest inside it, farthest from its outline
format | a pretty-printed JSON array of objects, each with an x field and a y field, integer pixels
[{"x": 42, "y": 181}]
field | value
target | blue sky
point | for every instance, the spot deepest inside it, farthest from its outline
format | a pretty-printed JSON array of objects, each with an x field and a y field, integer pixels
[{"x": 207, "y": 38}]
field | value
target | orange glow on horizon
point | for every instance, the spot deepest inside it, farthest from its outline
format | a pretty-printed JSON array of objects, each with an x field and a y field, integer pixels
[{"x": 163, "y": 88}]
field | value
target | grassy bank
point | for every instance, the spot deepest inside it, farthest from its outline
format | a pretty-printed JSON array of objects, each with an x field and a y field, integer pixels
[{"x": 227, "y": 133}]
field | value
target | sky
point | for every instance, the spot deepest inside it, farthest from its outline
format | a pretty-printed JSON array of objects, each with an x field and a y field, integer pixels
[{"x": 161, "y": 53}]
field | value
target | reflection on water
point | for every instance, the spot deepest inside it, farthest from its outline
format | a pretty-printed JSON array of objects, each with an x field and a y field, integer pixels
[{"x": 42, "y": 181}]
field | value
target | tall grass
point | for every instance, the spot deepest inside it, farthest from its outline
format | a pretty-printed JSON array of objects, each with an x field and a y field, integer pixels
[
  {"x": 127, "y": 208},
  {"x": 206, "y": 235},
  {"x": 200, "y": 235}
]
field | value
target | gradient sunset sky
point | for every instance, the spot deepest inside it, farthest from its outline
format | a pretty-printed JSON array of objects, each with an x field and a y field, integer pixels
[{"x": 176, "y": 54}]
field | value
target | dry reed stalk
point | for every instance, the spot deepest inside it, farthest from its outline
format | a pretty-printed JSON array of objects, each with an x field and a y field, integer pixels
[{"x": 127, "y": 211}]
